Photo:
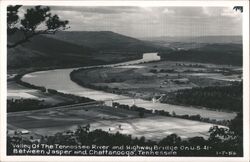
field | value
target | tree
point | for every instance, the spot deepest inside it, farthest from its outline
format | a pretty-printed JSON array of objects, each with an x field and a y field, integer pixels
[
  {"x": 240, "y": 8},
  {"x": 37, "y": 20},
  {"x": 225, "y": 139},
  {"x": 172, "y": 139},
  {"x": 236, "y": 124}
]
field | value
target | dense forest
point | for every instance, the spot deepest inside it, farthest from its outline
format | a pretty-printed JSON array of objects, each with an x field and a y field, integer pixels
[{"x": 227, "y": 98}]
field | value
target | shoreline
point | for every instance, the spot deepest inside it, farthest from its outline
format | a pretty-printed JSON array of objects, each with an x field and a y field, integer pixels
[{"x": 76, "y": 89}]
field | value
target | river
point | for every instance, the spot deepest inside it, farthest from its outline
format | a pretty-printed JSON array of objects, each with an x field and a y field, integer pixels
[{"x": 59, "y": 80}]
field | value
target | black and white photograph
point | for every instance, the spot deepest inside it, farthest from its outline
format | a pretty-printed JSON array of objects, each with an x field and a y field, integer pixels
[{"x": 126, "y": 80}]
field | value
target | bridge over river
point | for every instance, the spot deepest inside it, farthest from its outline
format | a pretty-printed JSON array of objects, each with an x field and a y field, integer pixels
[{"x": 59, "y": 80}]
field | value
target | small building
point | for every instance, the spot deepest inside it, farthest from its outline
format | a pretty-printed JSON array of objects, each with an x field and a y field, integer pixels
[
  {"x": 25, "y": 132},
  {"x": 21, "y": 132}
]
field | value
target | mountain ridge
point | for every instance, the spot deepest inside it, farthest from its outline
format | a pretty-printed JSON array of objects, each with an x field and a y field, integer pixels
[
  {"x": 64, "y": 50},
  {"x": 235, "y": 39},
  {"x": 100, "y": 40}
]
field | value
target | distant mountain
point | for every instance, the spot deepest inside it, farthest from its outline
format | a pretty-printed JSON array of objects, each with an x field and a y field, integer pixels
[
  {"x": 230, "y": 54},
  {"x": 105, "y": 41},
  {"x": 81, "y": 48},
  {"x": 65, "y": 49},
  {"x": 197, "y": 39}
]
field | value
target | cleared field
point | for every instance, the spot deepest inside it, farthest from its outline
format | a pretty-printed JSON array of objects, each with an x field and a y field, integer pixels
[
  {"x": 48, "y": 122},
  {"x": 158, "y": 81},
  {"x": 159, "y": 77},
  {"x": 17, "y": 91}
]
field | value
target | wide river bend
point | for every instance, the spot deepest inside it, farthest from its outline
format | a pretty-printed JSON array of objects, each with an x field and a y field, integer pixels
[{"x": 59, "y": 80}]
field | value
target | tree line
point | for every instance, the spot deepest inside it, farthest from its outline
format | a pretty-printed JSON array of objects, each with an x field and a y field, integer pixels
[
  {"x": 142, "y": 112},
  {"x": 227, "y": 98}
]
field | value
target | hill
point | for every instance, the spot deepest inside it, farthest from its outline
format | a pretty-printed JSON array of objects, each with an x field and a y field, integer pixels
[
  {"x": 230, "y": 54},
  {"x": 44, "y": 52},
  {"x": 104, "y": 41},
  {"x": 70, "y": 49},
  {"x": 198, "y": 39},
  {"x": 83, "y": 48}
]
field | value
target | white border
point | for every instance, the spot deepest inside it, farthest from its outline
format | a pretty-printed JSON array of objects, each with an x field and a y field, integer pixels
[{"x": 3, "y": 78}]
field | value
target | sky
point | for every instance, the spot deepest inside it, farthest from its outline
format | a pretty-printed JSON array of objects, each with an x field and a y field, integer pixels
[{"x": 153, "y": 21}]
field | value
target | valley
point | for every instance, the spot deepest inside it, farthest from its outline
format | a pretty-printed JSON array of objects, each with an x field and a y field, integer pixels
[
  {"x": 132, "y": 80},
  {"x": 147, "y": 82}
]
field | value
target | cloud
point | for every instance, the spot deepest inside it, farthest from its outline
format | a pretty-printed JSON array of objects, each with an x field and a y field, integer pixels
[
  {"x": 98, "y": 9},
  {"x": 153, "y": 21},
  {"x": 189, "y": 11}
]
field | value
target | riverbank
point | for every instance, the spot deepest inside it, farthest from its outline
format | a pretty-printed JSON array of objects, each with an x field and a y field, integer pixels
[
  {"x": 163, "y": 81},
  {"x": 60, "y": 81}
]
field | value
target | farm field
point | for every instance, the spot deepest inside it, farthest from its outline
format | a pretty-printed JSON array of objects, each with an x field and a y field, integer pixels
[
  {"x": 17, "y": 91},
  {"x": 156, "y": 79},
  {"x": 49, "y": 122}
]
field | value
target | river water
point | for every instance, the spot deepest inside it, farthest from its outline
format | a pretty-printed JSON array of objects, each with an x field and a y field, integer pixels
[{"x": 59, "y": 80}]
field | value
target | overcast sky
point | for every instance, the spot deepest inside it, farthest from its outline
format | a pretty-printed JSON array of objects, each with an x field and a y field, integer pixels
[{"x": 154, "y": 21}]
